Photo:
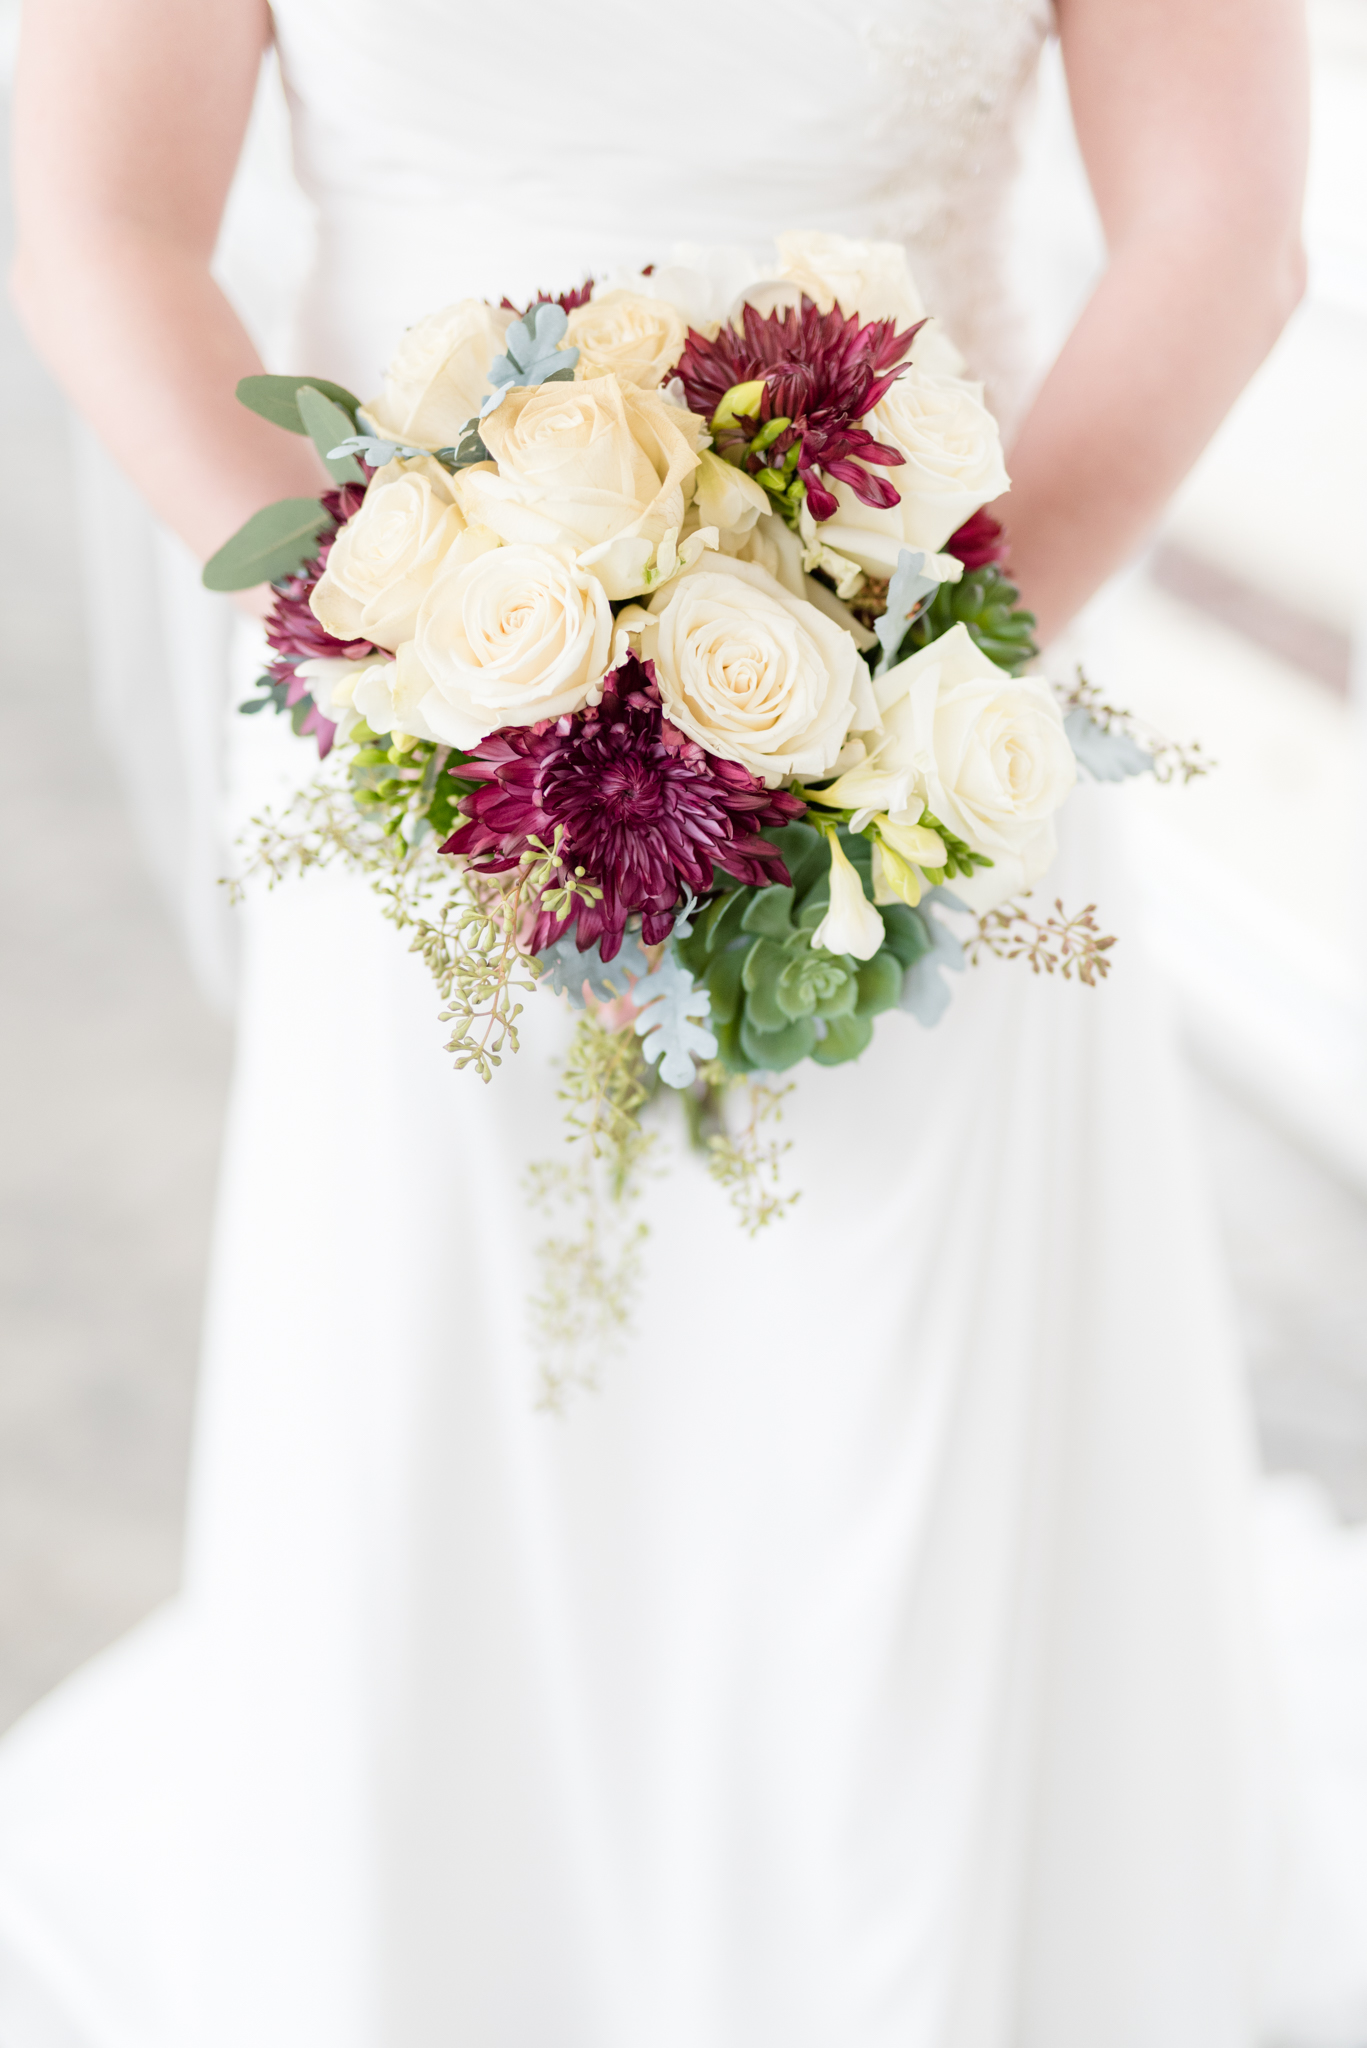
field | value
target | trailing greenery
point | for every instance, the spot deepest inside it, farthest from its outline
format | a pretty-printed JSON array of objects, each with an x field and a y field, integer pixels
[
  {"x": 743, "y": 1157},
  {"x": 582, "y": 1306}
]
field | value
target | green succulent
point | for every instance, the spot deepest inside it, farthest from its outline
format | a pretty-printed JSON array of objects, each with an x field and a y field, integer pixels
[
  {"x": 776, "y": 999},
  {"x": 984, "y": 600}
]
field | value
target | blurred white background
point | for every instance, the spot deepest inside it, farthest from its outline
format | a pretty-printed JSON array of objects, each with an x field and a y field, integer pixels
[{"x": 1245, "y": 626}]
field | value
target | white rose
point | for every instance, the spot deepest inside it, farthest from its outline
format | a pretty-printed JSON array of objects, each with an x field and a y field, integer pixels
[
  {"x": 511, "y": 636},
  {"x": 635, "y": 338},
  {"x": 953, "y": 465},
  {"x": 600, "y": 468},
  {"x": 776, "y": 547},
  {"x": 985, "y": 751},
  {"x": 753, "y": 673},
  {"x": 383, "y": 560},
  {"x": 869, "y": 279},
  {"x": 437, "y": 378}
]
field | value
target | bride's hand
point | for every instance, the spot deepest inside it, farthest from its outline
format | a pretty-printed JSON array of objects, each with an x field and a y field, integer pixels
[
  {"x": 128, "y": 123},
  {"x": 1192, "y": 118}
]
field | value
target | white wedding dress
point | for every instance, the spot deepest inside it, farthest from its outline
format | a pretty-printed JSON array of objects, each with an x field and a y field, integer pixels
[{"x": 881, "y": 1658}]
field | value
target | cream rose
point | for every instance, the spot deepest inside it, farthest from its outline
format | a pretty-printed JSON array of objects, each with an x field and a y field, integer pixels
[
  {"x": 599, "y": 467},
  {"x": 625, "y": 334},
  {"x": 437, "y": 378},
  {"x": 753, "y": 673},
  {"x": 382, "y": 562},
  {"x": 871, "y": 280},
  {"x": 986, "y": 752},
  {"x": 953, "y": 465},
  {"x": 514, "y": 635}
]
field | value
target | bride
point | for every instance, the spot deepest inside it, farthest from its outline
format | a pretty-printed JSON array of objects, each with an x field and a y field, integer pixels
[{"x": 878, "y": 1656}]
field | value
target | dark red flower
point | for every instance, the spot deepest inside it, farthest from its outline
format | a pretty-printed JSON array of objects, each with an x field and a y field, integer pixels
[
  {"x": 644, "y": 811},
  {"x": 822, "y": 373},
  {"x": 567, "y": 301},
  {"x": 295, "y": 634},
  {"x": 979, "y": 540}
]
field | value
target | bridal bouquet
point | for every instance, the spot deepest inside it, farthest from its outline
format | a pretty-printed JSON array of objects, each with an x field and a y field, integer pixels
[{"x": 671, "y": 662}]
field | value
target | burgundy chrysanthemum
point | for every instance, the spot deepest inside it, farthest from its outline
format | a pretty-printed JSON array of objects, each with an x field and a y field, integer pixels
[
  {"x": 822, "y": 372},
  {"x": 644, "y": 811},
  {"x": 567, "y": 301},
  {"x": 978, "y": 541},
  {"x": 295, "y": 633}
]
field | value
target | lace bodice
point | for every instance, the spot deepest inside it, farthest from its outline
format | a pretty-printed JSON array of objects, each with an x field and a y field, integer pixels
[{"x": 452, "y": 148}]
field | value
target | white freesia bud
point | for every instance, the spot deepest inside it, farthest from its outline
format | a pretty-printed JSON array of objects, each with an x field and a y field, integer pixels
[
  {"x": 331, "y": 683},
  {"x": 851, "y": 925},
  {"x": 900, "y": 851},
  {"x": 871, "y": 787},
  {"x": 913, "y": 842},
  {"x": 725, "y": 497},
  {"x": 388, "y": 695},
  {"x": 894, "y": 880}
]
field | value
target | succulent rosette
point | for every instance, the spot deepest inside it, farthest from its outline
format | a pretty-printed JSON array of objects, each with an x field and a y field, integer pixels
[{"x": 664, "y": 634}]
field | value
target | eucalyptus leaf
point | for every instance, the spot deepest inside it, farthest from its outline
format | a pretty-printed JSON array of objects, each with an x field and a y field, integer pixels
[
  {"x": 908, "y": 587},
  {"x": 327, "y": 424},
  {"x": 275, "y": 542},
  {"x": 533, "y": 353},
  {"x": 275, "y": 399},
  {"x": 1107, "y": 756},
  {"x": 371, "y": 449},
  {"x": 925, "y": 992},
  {"x": 469, "y": 449}
]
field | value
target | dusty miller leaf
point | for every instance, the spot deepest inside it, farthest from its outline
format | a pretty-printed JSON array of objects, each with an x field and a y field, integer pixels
[
  {"x": 565, "y": 969},
  {"x": 671, "y": 1025}
]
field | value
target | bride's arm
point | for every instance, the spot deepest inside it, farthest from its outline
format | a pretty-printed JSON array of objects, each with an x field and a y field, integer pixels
[
  {"x": 1192, "y": 120},
  {"x": 129, "y": 116}
]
